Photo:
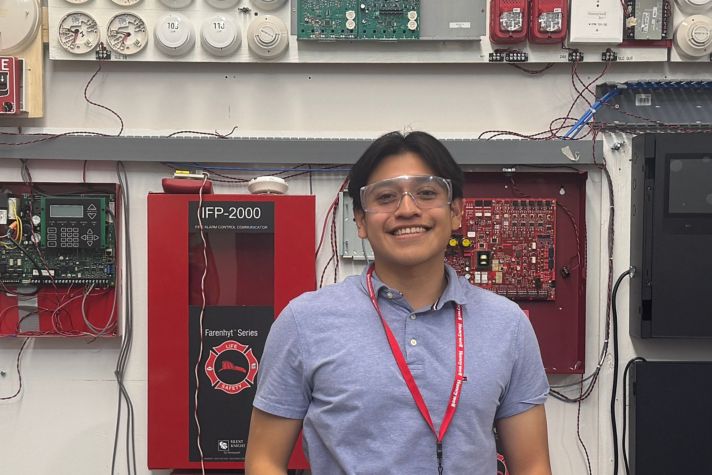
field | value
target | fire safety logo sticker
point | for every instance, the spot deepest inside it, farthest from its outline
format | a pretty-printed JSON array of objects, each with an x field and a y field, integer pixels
[{"x": 231, "y": 367}]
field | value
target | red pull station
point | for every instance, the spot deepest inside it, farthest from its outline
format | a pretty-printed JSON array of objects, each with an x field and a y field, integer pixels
[{"x": 10, "y": 85}]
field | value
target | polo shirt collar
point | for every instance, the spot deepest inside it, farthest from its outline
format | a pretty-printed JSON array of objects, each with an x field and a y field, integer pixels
[{"x": 454, "y": 291}]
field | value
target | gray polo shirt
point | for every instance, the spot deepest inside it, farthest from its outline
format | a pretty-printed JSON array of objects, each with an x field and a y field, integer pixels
[{"x": 327, "y": 361}]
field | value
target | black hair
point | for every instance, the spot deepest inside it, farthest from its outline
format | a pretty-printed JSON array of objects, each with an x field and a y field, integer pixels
[{"x": 428, "y": 148}]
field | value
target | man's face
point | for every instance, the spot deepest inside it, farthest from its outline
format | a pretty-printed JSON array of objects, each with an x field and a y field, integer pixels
[{"x": 409, "y": 236}]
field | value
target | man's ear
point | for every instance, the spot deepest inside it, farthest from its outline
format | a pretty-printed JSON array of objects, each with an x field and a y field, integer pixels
[
  {"x": 456, "y": 208},
  {"x": 360, "y": 218}
]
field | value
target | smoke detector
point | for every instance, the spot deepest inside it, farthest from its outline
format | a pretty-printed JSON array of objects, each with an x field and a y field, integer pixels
[
  {"x": 267, "y": 185},
  {"x": 693, "y": 36},
  {"x": 694, "y": 6}
]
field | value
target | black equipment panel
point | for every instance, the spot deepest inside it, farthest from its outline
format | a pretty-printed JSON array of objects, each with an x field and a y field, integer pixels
[
  {"x": 671, "y": 236},
  {"x": 670, "y": 417}
]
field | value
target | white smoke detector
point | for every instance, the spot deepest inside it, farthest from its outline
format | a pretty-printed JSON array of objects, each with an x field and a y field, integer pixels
[
  {"x": 693, "y": 36},
  {"x": 267, "y": 37},
  {"x": 267, "y": 185},
  {"x": 695, "y": 6}
]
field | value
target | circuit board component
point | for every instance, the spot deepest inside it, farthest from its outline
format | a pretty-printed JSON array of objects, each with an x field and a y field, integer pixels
[
  {"x": 647, "y": 20},
  {"x": 358, "y": 20},
  {"x": 49, "y": 239},
  {"x": 507, "y": 246}
]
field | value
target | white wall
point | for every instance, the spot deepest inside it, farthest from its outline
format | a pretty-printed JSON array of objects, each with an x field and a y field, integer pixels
[{"x": 63, "y": 423}]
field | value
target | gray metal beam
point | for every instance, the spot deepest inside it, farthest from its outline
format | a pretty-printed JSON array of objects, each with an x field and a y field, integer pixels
[{"x": 291, "y": 150}]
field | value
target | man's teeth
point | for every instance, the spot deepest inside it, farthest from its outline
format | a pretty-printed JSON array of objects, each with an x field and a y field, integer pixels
[{"x": 411, "y": 230}]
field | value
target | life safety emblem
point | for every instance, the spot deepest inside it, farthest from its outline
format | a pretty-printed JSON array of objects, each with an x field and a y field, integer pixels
[{"x": 231, "y": 367}]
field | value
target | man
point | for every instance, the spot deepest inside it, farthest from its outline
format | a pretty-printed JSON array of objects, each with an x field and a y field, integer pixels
[{"x": 406, "y": 368}]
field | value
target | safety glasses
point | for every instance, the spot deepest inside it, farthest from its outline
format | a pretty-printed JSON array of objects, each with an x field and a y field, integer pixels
[{"x": 426, "y": 191}]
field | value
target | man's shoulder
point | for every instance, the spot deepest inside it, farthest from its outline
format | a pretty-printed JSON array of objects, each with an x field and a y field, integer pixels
[
  {"x": 490, "y": 304},
  {"x": 341, "y": 295}
]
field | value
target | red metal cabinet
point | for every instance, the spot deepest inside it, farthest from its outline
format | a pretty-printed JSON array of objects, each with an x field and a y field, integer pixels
[{"x": 260, "y": 255}]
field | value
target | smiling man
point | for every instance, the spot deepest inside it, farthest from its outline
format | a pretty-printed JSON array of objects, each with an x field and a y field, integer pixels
[{"x": 407, "y": 368}]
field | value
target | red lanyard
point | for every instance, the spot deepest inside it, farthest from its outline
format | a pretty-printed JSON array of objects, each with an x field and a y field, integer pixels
[{"x": 408, "y": 376}]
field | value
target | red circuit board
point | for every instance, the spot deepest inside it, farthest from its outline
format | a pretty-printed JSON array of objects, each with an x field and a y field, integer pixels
[{"x": 507, "y": 246}]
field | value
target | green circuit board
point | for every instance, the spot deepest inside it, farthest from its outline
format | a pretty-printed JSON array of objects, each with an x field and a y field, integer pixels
[
  {"x": 63, "y": 239},
  {"x": 358, "y": 20}
]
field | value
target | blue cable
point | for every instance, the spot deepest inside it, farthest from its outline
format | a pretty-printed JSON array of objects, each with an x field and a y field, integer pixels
[{"x": 576, "y": 128}]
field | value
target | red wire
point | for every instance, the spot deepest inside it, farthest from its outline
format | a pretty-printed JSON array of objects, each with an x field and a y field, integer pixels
[{"x": 331, "y": 209}]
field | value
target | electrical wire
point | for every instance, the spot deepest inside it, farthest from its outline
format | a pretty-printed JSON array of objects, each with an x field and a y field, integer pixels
[
  {"x": 553, "y": 131},
  {"x": 331, "y": 209},
  {"x": 19, "y": 373},
  {"x": 46, "y": 137},
  {"x": 532, "y": 72},
  {"x": 588, "y": 115},
  {"x": 25, "y": 170},
  {"x": 200, "y": 320},
  {"x": 197, "y": 132},
  {"x": 101, "y": 106},
  {"x": 18, "y": 221},
  {"x": 334, "y": 258},
  {"x": 614, "y": 390},
  {"x": 127, "y": 337},
  {"x": 40, "y": 254},
  {"x": 625, "y": 412},
  {"x": 17, "y": 293},
  {"x": 334, "y": 246},
  {"x": 578, "y": 428},
  {"x": 110, "y": 322},
  {"x": 609, "y": 291}
]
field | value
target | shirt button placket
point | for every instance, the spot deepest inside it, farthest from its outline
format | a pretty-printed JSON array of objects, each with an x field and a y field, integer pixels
[{"x": 412, "y": 340}]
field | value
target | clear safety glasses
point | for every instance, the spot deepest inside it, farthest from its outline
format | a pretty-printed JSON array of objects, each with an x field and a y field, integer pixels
[{"x": 427, "y": 192}]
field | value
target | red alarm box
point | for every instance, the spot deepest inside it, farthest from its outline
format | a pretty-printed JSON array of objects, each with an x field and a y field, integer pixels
[
  {"x": 509, "y": 21},
  {"x": 220, "y": 270},
  {"x": 549, "y": 21}
]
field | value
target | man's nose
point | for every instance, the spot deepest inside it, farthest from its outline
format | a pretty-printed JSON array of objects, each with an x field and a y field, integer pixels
[{"x": 407, "y": 206}]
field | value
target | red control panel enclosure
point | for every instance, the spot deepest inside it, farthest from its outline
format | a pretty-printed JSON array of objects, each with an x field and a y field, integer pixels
[
  {"x": 549, "y": 21},
  {"x": 509, "y": 21},
  {"x": 560, "y": 319},
  {"x": 207, "y": 324},
  {"x": 57, "y": 309},
  {"x": 10, "y": 85}
]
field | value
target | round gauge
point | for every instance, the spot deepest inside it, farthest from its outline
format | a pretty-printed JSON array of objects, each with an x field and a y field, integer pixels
[
  {"x": 78, "y": 33},
  {"x": 693, "y": 36},
  {"x": 125, "y": 3},
  {"x": 127, "y": 33},
  {"x": 174, "y": 34},
  {"x": 268, "y": 4},
  {"x": 77, "y": 2},
  {"x": 176, "y": 4},
  {"x": 19, "y": 24},
  {"x": 267, "y": 37},
  {"x": 220, "y": 35},
  {"x": 222, "y": 4}
]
